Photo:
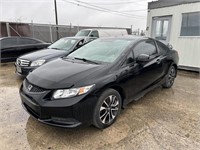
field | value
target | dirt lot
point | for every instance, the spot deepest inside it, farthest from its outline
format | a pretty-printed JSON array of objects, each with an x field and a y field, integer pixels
[{"x": 163, "y": 119}]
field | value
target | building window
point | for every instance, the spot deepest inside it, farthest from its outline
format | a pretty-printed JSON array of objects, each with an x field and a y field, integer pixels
[
  {"x": 190, "y": 24},
  {"x": 162, "y": 29}
]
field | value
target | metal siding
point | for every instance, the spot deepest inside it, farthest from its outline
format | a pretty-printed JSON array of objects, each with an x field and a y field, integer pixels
[{"x": 187, "y": 47}]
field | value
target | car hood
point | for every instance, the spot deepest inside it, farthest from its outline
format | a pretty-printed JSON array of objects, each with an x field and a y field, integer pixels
[
  {"x": 61, "y": 73},
  {"x": 43, "y": 54}
]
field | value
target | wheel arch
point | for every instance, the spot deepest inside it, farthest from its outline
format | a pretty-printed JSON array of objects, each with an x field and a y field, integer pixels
[{"x": 116, "y": 87}]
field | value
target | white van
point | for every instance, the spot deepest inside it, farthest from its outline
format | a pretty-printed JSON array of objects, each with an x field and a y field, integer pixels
[{"x": 96, "y": 33}]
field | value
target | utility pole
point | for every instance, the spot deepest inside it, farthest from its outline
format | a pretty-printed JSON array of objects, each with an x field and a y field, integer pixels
[
  {"x": 56, "y": 17},
  {"x": 131, "y": 29}
]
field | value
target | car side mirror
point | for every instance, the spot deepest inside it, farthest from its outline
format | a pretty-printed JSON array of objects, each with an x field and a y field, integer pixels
[
  {"x": 169, "y": 46},
  {"x": 143, "y": 58}
]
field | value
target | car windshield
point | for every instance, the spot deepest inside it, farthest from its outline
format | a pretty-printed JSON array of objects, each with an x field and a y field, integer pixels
[
  {"x": 101, "y": 50},
  {"x": 83, "y": 33},
  {"x": 63, "y": 44}
]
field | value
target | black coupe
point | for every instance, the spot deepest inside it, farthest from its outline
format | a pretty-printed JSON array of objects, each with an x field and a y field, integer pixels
[{"x": 92, "y": 84}]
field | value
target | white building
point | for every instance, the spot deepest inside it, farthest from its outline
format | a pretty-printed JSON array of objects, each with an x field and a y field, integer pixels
[{"x": 178, "y": 23}]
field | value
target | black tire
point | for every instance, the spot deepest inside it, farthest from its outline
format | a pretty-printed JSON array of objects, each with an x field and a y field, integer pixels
[
  {"x": 107, "y": 109},
  {"x": 171, "y": 75}
]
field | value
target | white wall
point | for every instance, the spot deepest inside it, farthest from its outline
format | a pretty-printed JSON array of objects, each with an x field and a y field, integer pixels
[{"x": 187, "y": 47}]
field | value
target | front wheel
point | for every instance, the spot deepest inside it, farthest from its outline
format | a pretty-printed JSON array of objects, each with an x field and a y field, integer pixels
[
  {"x": 169, "y": 81},
  {"x": 107, "y": 109}
]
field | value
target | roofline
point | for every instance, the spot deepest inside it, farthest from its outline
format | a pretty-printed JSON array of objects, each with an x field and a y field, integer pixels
[
  {"x": 126, "y": 37},
  {"x": 164, "y": 3},
  {"x": 26, "y": 37},
  {"x": 75, "y": 37}
]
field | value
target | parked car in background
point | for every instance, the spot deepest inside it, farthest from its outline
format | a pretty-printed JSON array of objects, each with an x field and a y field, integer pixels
[
  {"x": 98, "y": 33},
  {"x": 28, "y": 62},
  {"x": 92, "y": 84},
  {"x": 13, "y": 47}
]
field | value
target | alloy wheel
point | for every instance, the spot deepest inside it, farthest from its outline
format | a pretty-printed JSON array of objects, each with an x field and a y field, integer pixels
[
  {"x": 172, "y": 75},
  {"x": 109, "y": 109}
]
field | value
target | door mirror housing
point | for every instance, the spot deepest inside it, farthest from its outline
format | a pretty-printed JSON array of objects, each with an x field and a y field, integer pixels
[
  {"x": 169, "y": 46},
  {"x": 143, "y": 58}
]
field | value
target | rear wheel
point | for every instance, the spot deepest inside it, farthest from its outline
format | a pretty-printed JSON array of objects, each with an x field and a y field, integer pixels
[
  {"x": 169, "y": 81},
  {"x": 107, "y": 109}
]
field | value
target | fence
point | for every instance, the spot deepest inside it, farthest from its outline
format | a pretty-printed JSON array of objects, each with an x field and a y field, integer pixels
[{"x": 44, "y": 32}]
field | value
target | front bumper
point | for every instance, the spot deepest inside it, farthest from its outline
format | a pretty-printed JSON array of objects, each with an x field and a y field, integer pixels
[
  {"x": 67, "y": 113},
  {"x": 23, "y": 71}
]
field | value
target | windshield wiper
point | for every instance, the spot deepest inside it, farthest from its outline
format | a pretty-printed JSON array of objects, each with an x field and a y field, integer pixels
[
  {"x": 86, "y": 60},
  {"x": 55, "y": 48}
]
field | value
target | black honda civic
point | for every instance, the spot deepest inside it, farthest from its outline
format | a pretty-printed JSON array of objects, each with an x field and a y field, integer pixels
[{"x": 91, "y": 85}]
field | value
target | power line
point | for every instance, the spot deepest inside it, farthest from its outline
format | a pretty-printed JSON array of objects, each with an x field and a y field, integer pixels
[
  {"x": 87, "y": 2},
  {"x": 97, "y": 8},
  {"x": 115, "y": 3},
  {"x": 105, "y": 9},
  {"x": 134, "y": 10}
]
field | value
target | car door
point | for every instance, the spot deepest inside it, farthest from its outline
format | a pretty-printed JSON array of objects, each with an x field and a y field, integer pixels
[
  {"x": 142, "y": 75},
  {"x": 163, "y": 50}
]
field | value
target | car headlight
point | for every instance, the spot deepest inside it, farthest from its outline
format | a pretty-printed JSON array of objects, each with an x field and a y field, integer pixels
[
  {"x": 37, "y": 63},
  {"x": 67, "y": 93}
]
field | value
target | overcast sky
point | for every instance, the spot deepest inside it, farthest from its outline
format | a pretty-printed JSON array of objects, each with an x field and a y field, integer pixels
[{"x": 117, "y": 13}]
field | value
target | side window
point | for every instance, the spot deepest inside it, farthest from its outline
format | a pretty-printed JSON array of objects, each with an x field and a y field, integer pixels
[
  {"x": 146, "y": 47},
  {"x": 79, "y": 44},
  {"x": 162, "y": 47},
  {"x": 94, "y": 34},
  {"x": 129, "y": 59},
  {"x": 9, "y": 42}
]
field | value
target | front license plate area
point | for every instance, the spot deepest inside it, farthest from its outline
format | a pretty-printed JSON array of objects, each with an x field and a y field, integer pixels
[{"x": 19, "y": 69}]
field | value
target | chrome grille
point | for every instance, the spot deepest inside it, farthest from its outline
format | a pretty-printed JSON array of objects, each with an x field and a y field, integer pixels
[
  {"x": 23, "y": 63},
  {"x": 32, "y": 88}
]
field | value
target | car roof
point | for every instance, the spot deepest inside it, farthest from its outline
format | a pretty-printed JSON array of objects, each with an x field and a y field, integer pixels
[
  {"x": 76, "y": 37},
  {"x": 127, "y": 37},
  {"x": 22, "y": 37}
]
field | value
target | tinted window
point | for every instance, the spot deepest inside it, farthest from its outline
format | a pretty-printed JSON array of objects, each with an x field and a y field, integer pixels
[
  {"x": 162, "y": 47},
  {"x": 23, "y": 41},
  {"x": 94, "y": 34},
  {"x": 146, "y": 47},
  {"x": 129, "y": 58},
  {"x": 190, "y": 24},
  {"x": 8, "y": 42}
]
